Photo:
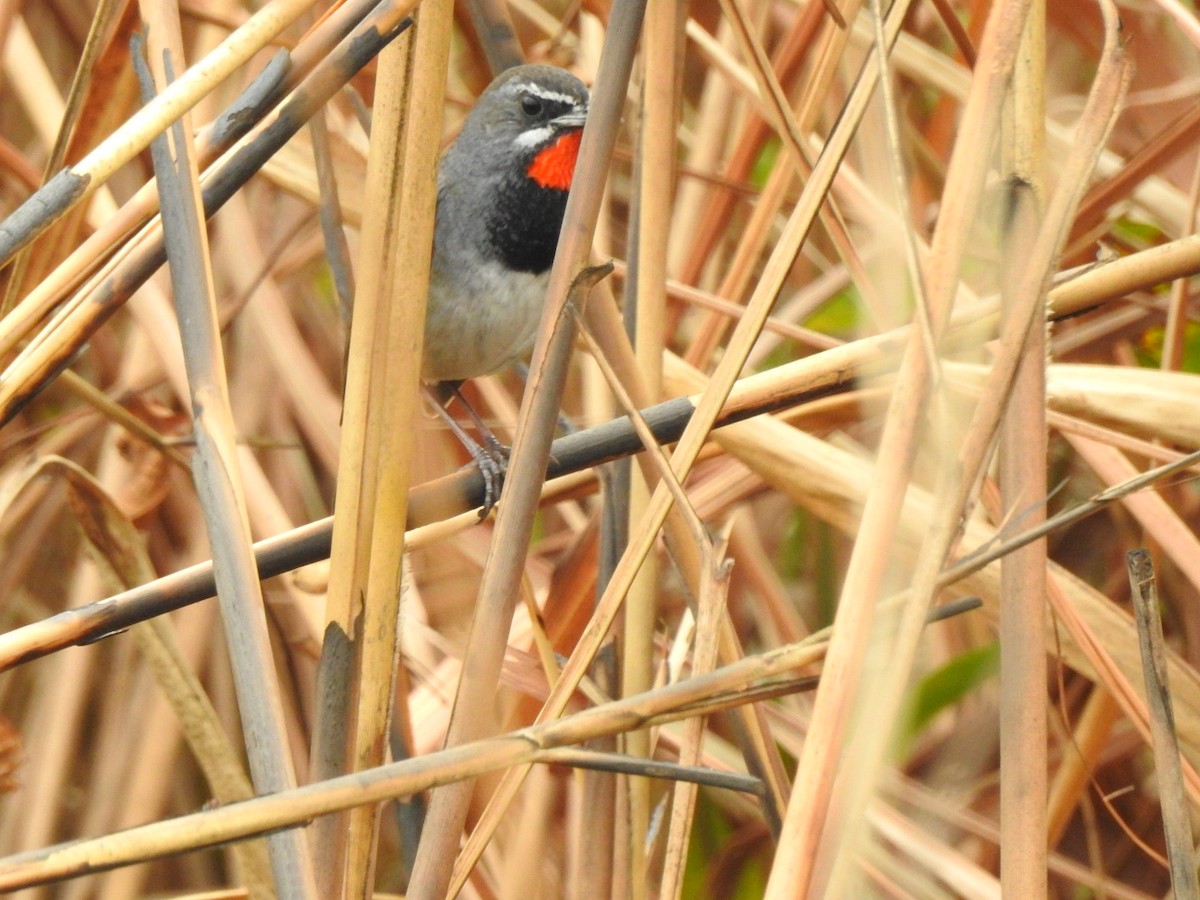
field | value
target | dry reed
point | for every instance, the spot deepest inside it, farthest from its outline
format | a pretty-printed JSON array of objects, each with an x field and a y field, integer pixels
[{"x": 837, "y": 227}]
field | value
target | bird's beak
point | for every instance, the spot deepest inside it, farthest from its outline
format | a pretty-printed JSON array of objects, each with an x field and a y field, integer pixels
[{"x": 571, "y": 120}]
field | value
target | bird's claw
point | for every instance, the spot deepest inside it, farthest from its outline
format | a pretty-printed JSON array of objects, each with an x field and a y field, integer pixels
[{"x": 492, "y": 463}]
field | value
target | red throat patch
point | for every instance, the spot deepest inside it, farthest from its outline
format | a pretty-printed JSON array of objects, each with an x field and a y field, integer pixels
[{"x": 554, "y": 166}]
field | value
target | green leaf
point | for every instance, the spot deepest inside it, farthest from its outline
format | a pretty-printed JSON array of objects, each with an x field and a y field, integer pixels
[
  {"x": 944, "y": 687},
  {"x": 1150, "y": 348},
  {"x": 840, "y": 316},
  {"x": 764, "y": 163},
  {"x": 1142, "y": 234},
  {"x": 808, "y": 553}
]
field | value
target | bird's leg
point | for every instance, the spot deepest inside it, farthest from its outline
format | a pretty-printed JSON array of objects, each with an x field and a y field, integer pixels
[
  {"x": 492, "y": 459},
  {"x": 494, "y": 447}
]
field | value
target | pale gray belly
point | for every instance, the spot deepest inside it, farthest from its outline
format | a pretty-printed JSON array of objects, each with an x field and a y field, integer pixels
[{"x": 480, "y": 322}]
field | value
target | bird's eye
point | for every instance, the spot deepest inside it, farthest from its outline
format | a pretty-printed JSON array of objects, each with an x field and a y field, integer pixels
[{"x": 531, "y": 105}]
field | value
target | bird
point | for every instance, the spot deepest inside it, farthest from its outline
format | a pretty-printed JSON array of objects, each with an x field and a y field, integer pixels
[{"x": 502, "y": 193}]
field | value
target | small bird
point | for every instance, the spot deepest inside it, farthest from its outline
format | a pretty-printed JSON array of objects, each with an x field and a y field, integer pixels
[{"x": 502, "y": 192}]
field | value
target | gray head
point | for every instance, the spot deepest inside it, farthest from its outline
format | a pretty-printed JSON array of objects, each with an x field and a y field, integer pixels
[
  {"x": 503, "y": 183},
  {"x": 522, "y": 113}
]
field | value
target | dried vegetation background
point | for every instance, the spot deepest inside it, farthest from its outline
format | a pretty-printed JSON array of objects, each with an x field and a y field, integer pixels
[{"x": 835, "y": 230}]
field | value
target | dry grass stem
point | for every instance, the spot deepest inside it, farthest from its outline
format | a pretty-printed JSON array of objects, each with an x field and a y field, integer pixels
[
  {"x": 361, "y": 641},
  {"x": 534, "y": 431},
  {"x": 1023, "y": 461}
]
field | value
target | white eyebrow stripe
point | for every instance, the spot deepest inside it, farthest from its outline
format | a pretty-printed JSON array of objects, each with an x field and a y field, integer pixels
[
  {"x": 534, "y": 136},
  {"x": 538, "y": 91}
]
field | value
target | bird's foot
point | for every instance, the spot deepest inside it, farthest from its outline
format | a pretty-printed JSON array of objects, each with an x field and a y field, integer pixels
[{"x": 492, "y": 463}]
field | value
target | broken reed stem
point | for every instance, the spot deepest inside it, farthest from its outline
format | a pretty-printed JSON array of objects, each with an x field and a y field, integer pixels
[
  {"x": 1177, "y": 825},
  {"x": 278, "y": 77},
  {"x": 218, "y": 482},
  {"x": 77, "y": 182},
  {"x": 76, "y": 321}
]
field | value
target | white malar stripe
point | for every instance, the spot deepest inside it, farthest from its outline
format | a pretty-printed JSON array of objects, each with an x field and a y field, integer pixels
[{"x": 533, "y": 137}]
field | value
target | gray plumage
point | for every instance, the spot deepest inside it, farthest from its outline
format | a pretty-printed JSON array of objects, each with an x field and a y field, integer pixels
[{"x": 496, "y": 227}]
